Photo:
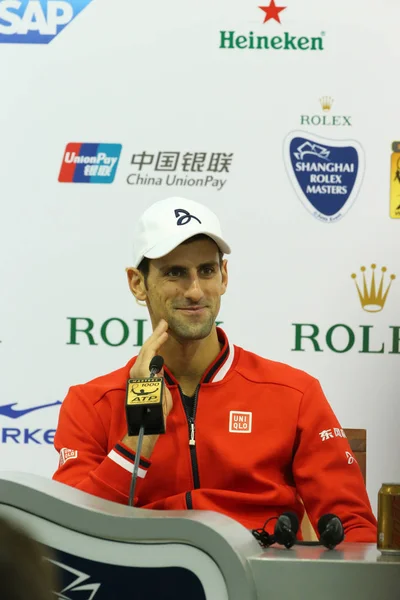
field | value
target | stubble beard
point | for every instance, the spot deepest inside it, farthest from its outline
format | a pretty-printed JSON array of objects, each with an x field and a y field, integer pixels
[{"x": 190, "y": 331}]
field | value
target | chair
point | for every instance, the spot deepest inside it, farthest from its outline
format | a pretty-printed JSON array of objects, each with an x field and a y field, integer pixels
[{"x": 357, "y": 439}]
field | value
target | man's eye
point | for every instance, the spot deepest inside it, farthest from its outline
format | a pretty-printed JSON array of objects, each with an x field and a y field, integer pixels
[
  {"x": 208, "y": 270},
  {"x": 174, "y": 273}
]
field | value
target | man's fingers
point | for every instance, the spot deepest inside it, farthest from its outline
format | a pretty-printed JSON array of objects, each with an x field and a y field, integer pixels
[
  {"x": 157, "y": 338},
  {"x": 159, "y": 342},
  {"x": 150, "y": 348},
  {"x": 167, "y": 402},
  {"x": 160, "y": 330},
  {"x": 162, "y": 326}
]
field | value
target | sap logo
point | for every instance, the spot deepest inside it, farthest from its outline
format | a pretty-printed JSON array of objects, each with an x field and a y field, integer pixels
[
  {"x": 25, "y": 436},
  {"x": 36, "y": 21}
]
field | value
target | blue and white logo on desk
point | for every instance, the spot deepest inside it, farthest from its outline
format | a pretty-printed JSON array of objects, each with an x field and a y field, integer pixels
[
  {"x": 326, "y": 174},
  {"x": 36, "y": 21},
  {"x": 80, "y": 584}
]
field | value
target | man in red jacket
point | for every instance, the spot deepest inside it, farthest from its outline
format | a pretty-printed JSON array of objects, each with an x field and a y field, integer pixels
[{"x": 245, "y": 436}]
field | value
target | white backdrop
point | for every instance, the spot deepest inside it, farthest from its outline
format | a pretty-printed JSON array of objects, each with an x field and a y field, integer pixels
[{"x": 153, "y": 78}]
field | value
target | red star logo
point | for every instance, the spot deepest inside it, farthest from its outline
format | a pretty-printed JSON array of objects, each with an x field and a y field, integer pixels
[{"x": 272, "y": 11}]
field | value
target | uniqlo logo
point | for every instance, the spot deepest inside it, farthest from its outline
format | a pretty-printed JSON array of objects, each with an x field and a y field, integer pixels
[
  {"x": 240, "y": 422},
  {"x": 67, "y": 454}
]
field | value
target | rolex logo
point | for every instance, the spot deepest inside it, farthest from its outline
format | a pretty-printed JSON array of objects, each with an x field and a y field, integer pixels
[
  {"x": 327, "y": 118},
  {"x": 373, "y": 287},
  {"x": 326, "y": 103},
  {"x": 373, "y": 293}
]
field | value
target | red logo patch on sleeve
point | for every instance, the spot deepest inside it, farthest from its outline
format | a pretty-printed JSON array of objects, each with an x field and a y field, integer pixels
[{"x": 67, "y": 454}]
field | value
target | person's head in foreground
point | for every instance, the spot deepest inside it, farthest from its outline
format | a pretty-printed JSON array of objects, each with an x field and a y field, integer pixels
[{"x": 24, "y": 572}]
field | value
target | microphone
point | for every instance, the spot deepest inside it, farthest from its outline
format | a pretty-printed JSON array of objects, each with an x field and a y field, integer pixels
[
  {"x": 286, "y": 529},
  {"x": 144, "y": 401},
  {"x": 330, "y": 529},
  {"x": 156, "y": 364},
  {"x": 144, "y": 411}
]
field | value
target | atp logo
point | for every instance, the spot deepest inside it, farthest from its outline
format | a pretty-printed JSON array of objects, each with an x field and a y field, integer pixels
[
  {"x": 25, "y": 435},
  {"x": 36, "y": 21}
]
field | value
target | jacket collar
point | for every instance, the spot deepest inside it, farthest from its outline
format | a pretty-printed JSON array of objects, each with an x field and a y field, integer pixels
[{"x": 218, "y": 369}]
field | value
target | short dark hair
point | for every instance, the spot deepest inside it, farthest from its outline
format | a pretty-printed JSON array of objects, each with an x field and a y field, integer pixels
[{"x": 144, "y": 265}]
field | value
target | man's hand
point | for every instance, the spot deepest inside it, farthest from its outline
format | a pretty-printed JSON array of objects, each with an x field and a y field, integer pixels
[{"x": 141, "y": 370}]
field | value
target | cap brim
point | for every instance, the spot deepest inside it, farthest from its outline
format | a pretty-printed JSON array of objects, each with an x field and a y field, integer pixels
[{"x": 166, "y": 246}]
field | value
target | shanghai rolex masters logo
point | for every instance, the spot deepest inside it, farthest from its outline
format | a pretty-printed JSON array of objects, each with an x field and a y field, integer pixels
[
  {"x": 325, "y": 173},
  {"x": 258, "y": 39}
]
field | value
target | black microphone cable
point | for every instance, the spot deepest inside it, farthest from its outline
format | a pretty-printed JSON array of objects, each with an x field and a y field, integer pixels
[{"x": 264, "y": 538}]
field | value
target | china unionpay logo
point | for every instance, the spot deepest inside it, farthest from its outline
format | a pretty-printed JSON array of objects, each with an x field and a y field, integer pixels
[
  {"x": 326, "y": 174},
  {"x": 36, "y": 21},
  {"x": 90, "y": 163}
]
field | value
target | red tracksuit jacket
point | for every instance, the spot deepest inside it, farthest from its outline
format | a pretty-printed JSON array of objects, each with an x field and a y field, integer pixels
[{"x": 265, "y": 436}]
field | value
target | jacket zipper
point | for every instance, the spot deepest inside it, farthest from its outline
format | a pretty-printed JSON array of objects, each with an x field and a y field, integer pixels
[{"x": 192, "y": 445}]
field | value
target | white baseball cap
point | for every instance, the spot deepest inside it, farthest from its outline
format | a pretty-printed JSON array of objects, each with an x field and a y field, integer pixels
[{"x": 167, "y": 223}]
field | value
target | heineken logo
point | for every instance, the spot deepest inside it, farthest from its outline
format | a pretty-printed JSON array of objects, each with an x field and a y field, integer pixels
[
  {"x": 326, "y": 174},
  {"x": 251, "y": 40}
]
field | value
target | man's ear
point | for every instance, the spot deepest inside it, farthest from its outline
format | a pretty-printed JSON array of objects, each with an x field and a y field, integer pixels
[
  {"x": 224, "y": 272},
  {"x": 136, "y": 283}
]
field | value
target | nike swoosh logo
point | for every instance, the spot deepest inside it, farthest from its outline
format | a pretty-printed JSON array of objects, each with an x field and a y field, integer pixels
[{"x": 8, "y": 410}]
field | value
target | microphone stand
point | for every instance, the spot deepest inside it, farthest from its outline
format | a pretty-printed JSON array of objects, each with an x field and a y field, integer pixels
[{"x": 136, "y": 465}]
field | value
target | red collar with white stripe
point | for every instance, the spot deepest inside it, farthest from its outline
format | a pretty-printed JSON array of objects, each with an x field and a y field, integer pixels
[{"x": 218, "y": 369}]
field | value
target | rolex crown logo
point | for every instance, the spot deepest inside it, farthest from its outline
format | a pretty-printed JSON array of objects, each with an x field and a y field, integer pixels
[
  {"x": 371, "y": 298},
  {"x": 326, "y": 103}
]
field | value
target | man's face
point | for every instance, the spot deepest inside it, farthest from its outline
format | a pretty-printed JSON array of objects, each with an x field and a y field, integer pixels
[{"x": 185, "y": 288}]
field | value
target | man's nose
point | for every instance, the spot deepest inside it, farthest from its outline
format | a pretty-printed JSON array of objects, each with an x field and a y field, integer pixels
[{"x": 194, "y": 292}]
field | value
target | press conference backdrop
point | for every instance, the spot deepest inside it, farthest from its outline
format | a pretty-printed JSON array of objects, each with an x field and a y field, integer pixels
[{"x": 282, "y": 118}]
